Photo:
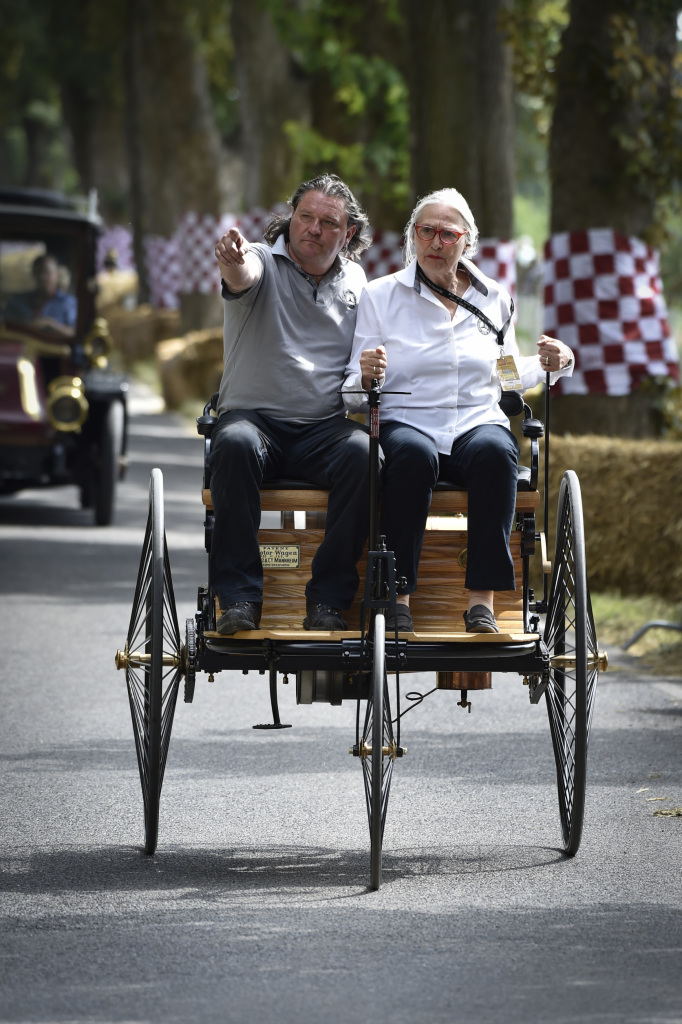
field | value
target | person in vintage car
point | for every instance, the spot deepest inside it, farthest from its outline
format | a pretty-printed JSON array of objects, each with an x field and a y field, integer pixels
[{"x": 48, "y": 306}]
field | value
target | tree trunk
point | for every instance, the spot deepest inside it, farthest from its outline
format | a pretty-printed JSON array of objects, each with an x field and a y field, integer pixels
[
  {"x": 461, "y": 107},
  {"x": 272, "y": 91},
  {"x": 98, "y": 140},
  {"x": 173, "y": 144},
  {"x": 593, "y": 182},
  {"x": 604, "y": 131}
]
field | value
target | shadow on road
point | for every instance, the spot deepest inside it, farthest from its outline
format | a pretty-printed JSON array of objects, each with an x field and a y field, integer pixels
[{"x": 211, "y": 871}]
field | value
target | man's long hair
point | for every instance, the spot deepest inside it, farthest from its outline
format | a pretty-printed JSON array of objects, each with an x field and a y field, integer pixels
[{"x": 328, "y": 185}]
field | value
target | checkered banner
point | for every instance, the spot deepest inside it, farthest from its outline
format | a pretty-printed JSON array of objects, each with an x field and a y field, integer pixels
[
  {"x": 186, "y": 262},
  {"x": 497, "y": 259},
  {"x": 604, "y": 298},
  {"x": 117, "y": 242}
]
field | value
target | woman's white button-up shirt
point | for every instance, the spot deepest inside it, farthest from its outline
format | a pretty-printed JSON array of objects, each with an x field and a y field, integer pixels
[{"x": 447, "y": 366}]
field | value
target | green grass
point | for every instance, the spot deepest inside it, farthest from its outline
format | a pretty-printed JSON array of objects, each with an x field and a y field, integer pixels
[{"x": 617, "y": 618}]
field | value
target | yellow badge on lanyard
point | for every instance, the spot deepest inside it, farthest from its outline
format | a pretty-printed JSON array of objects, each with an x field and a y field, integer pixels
[{"x": 508, "y": 374}]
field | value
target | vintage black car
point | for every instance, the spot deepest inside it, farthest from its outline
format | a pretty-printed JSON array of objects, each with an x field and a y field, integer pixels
[{"x": 63, "y": 414}]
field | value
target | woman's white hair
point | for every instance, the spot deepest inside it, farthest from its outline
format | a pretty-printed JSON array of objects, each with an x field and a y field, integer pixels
[{"x": 456, "y": 201}]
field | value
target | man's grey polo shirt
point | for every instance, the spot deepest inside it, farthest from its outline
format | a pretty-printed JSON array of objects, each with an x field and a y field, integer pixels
[{"x": 287, "y": 340}]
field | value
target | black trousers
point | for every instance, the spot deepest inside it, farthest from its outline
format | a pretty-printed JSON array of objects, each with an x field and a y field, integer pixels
[
  {"x": 248, "y": 448},
  {"x": 485, "y": 461}
]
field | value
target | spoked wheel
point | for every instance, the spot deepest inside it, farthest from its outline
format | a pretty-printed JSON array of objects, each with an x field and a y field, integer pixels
[
  {"x": 571, "y": 639},
  {"x": 154, "y": 661},
  {"x": 378, "y": 751}
]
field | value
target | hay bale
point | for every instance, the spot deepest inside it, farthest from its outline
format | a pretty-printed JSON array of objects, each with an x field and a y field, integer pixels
[
  {"x": 191, "y": 367},
  {"x": 136, "y": 332},
  {"x": 632, "y": 502}
]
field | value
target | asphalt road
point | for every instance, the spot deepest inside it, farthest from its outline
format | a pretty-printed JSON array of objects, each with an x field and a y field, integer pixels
[{"x": 256, "y": 906}]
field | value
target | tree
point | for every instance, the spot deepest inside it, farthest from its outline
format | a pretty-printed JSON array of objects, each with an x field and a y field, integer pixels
[
  {"x": 355, "y": 123},
  {"x": 615, "y": 130},
  {"x": 462, "y": 106},
  {"x": 614, "y": 154},
  {"x": 173, "y": 145},
  {"x": 273, "y": 90}
]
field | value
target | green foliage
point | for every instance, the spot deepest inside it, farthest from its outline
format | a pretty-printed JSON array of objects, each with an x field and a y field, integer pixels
[
  {"x": 617, "y": 618},
  {"x": 533, "y": 29},
  {"x": 531, "y": 217},
  {"x": 648, "y": 86},
  {"x": 366, "y": 138},
  {"x": 209, "y": 24},
  {"x": 45, "y": 46}
]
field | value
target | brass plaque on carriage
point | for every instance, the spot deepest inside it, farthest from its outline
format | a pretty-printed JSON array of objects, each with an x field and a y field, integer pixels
[{"x": 280, "y": 556}]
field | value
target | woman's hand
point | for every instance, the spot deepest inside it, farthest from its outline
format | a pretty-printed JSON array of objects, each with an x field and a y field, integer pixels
[
  {"x": 553, "y": 354},
  {"x": 372, "y": 366}
]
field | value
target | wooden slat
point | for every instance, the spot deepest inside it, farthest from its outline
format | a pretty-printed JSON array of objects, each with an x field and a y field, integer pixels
[
  {"x": 437, "y": 607},
  {"x": 298, "y": 634},
  {"x": 443, "y": 503}
]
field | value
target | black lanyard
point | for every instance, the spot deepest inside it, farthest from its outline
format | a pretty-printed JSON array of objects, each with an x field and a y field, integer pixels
[{"x": 500, "y": 332}]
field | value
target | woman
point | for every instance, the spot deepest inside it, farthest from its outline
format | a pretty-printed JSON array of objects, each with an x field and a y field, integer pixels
[{"x": 438, "y": 329}]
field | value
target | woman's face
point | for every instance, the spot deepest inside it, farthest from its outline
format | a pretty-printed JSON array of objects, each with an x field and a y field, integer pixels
[{"x": 435, "y": 257}]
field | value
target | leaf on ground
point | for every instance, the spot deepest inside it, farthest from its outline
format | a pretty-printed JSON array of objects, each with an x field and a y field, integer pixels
[
  {"x": 669, "y": 812},
  {"x": 652, "y": 799},
  {"x": 644, "y": 789}
]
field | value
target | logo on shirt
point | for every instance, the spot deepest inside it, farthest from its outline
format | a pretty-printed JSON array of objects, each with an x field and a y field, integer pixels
[{"x": 350, "y": 299}]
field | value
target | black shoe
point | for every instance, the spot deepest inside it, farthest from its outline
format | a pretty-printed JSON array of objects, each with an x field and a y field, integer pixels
[
  {"x": 321, "y": 616},
  {"x": 402, "y": 619},
  {"x": 480, "y": 619},
  {"x": 242, "y": 615}
]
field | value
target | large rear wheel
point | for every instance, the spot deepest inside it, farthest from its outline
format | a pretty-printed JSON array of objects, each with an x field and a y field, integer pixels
[
  {"x": 571, "y": 639},
  {"x": 153, "y": 660}
]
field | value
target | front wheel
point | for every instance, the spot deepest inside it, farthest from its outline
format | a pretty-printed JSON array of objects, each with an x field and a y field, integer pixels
[
  {"x": 104, "y": 471},
  {"x": 153, "y": 660},
  {"x": 378, "y": 751},
  {"x": 571, "y": 639}
]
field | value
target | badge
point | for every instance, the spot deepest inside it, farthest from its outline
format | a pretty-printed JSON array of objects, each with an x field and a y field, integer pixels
[
  {"x": 508, "y": 374},
  {"x": 483, "y": 327}
]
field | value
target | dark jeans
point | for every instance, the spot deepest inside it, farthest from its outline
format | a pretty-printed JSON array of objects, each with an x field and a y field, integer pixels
[
  {"x": 485, "y": 461},
  {"x": 248, "y": 448}
]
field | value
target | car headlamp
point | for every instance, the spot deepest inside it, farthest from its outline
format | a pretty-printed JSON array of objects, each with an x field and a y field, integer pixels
[
  {"x": 98, "y": 343},
  {"x": 67, "y": 406}
]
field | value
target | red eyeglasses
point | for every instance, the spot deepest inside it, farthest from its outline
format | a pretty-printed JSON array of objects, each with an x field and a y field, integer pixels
[{"x": 446, "y": 235}]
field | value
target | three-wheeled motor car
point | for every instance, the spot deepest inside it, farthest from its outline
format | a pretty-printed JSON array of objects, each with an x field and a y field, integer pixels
[{"x": 547, "y": 638}]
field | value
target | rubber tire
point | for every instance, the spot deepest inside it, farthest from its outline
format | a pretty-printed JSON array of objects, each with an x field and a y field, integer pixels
[
  {"x": 153, "y": 706},
  {"x": 569, "y": 631},
  {"x": 105, "y": 471},
  {"x": 376, "y": 824}
]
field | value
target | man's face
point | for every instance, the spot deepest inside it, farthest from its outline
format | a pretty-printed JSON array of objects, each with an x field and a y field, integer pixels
[
  {"x": 47, "y": 277},
  {"x": 318, "y": 232}
]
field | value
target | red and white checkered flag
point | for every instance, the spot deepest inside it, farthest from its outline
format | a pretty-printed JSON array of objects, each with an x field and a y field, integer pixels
[{"x": 604, "y": 298}]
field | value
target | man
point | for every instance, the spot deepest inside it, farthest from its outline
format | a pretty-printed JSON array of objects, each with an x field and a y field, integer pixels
[
  {"x": 48, "y": 307},
  {"x": 290, "y": 310}
]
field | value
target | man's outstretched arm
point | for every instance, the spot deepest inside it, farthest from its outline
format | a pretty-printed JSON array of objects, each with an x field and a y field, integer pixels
[{"x": 239, "y": 268}]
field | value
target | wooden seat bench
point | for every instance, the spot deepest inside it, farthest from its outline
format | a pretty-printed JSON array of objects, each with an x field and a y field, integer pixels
[{"x": 438, "y": 604}]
